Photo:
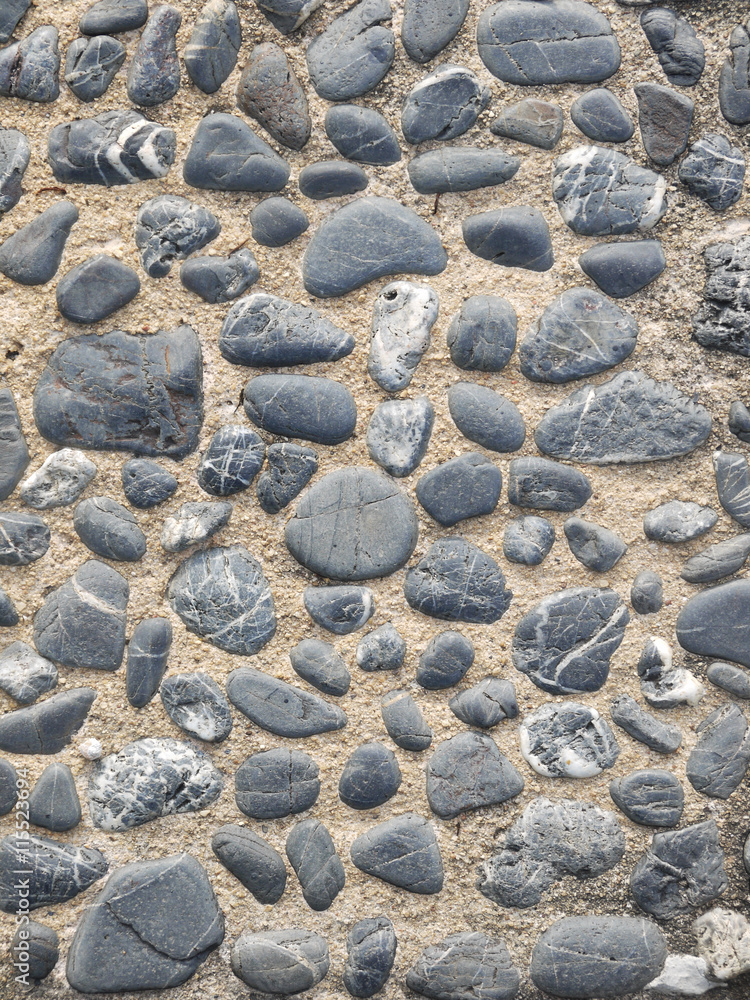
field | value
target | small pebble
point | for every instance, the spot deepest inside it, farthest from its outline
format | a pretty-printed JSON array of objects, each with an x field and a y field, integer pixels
[
  {"x": 443, "y": 105},
  {"x": 714, "y": 171},
  {"x": 24, "y": 538},
  {"x": 662, "y": 737},
  {"x": 601, "y": 117},
  {"x": 211, "y": 53},
  {"x": 32, "y": 254},
  {"x": 463, "y": 168},
  {"x": 445, "y": 661},
  {"x": 30, "y": 68},
  {"x": 95, "y": 289},
  {"x": 331, "y": 179},
  {"x": 567, "y": 740},
  {"x": 91, "y": 749},
  {"x": 41, "y": 944},
  {"x": 252, "y": 861},
  {"x": 270, "y": 93},
  {"x": 381, "y": 649},
  {"x": 148, "y": 653},
  {"x": 678, "y": 48},
  {"x": 734, "y": 82},
  {"x": 371, "y": 776},
  {"x": 110, "y": 17},
  {"x": 313, "y": 856},
  {"x": 398, "y": 434},
  {"x": 109, "y": 529},
  {"x": 463, "y": 487},
  {"x": 193, "y": 523},
  {"x": 281, "y": 961},
  {"x": 730, "y": 678},
  {"x": 512, "y": 237},
  {"x": 276, "y": 783},
  {"x": 226, "y": 155},
  {"x": 91, "y": 65},
  {"x": 290, "y": 469},
  {"x": 678, "y": 521},
  {"x": 53, "y": 802},
  {"x": 595, "y": 547},
  {"x": 402, "y": 851},
  {"x": 371, "y": 952},
  {"x": 310, "y": 407},
  {"x": 169, "y": 228},
  {"x": 232, "y": 460},
  {"x": 468, "y": 964},
  {"x": 154, "y": 74},
  {"x": 319, "y": 664},
  {"x": 281, "y": 708},
  {"x": 717, "y": 561},
  {"x": 354, "y": 52},
  {"x": 196, "y": 704},
  {"x": 528, "y": 539},
  {"x": 146, "y": 484},
  {"x": 24, "y": 675},
  {"x": 287, "y": 15},
  {"x": 404, "y": 721},
  {"x": 488, "y": 703},
  {"x": 362, "y": 134},
  {"x": 220, "y": 279},
  {"x": 15, "y": 153},
  {"x": 621, "y": 269},
  {"x": 277, "y": 221},
  {"x": 650, "y": 797},
  {"x": 646, "y": 594},
  {"x": 485, "y": 417},
  {"x": 428, "y": 26},
  {"x": 47, "y": 727},
  {"x": 341, "y": 610},
  {"x": 739, "y": 421},
  {"x": 8, "y": 786},
  {"x": 664, "y": 117},
  {"x": 535, "y": 122}
]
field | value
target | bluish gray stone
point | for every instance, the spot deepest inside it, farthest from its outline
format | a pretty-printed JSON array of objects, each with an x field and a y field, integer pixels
[
  {"x": 287, "y": 15},
  {"x": 463, "y": 168},
  {"x": 403, "y": 315},
  {"x": 717, "y": 561},
  {"x": 148, "y": 653},
  {"x": 32, "y": 254},
  {"x": 354, "y": 52},
  {"x": 714, "y": 171},
  {"x": 290, "y": 469},
  {"x": 445, "y": 661},
  {"x": 565, "y": 41},
  {"x": 485, "y": 417},
  {"x": 8, "y": 614},
  {"x": 15, "y": 154},
  {"x": 331, "y": 179},
  {"x": 719, "y": 760},
  {"x": 404, "y": 721},
  {"x": 211, "y": 53},
  {"x": 154, "y": 74},
  {"x": 371, "y": 776},
  {"x": 730, "y": 678},
  {"x": 567, "y": 740},
  {"x": 467, "y": 486},
  {"x": 24, "y": 675},
  {"x": 739, "y": 421},
  {"x": 48, "y": 726},
  {"x": 222, "y": 595},
  {"x": 565, "y": 644},
  {"x": 678, "y": 521},
  {"x": 650, "y": 797},
  {"x": 41, "y": 944},
  {"x": 270, "y": 92},
  {"x": 486, "y": 704},
  {"x": 226, "y": 155},
  {"x": 458, "y": 582},
  {"x": 399, "y": 433},
  {"x": 11, "y": 14},
  {"x": 368, "y": 239},
  {"x": 220, "y": 279},
  {"x": 277, "y": 221},
  {"x": 732, "y": 473},
  {"x": 196, "y": 704},
  {"x": 281, "y": 708},
  {"x": 402, "y": 851},
  {"x": 8, "y": 787},
  {"x": 544, "y": 485},
  {"x": 664, "y": 117},
  {"x": 95, "y": 289},
  {"x": 580, "y": 333},
  {"x": 319, "y": 664},
  {"x": 341, "y": 610},
  {"x": 53, "y": 802},
  {"x": 517, "y": 236},
  {"x": 301, "y": 406},
  {"x": 657, "y": 735},
  {"x": 117, "y": 392},
  {"x": 109, "y": 529},
  {"x": 276, "y": 783},
  {"x": 646, "y": 594},
  {"x": 232, "y": 460},
  {"x": 734, "y": 82},
  {"x": 621, "y": 269},
  {"x": 267, "y": 331},
  {"x": 597, "y": 548},
  {"x": 537, "y": 123},
  {"x": 468, "y": 772},
  {"x": 443, "y": 105},
  {"x": 24, "y": 538},
  {"x": 82, "y": 622},
  {"x": 465, "y": 965},
  {"x": 371, "y": 951},
  {"x": 91, "y": 65},
  {"x": 428, "y": 26},
  {"x": 30, "y": 69},
  {"x": 381, "y": 649},
  {"x": 170, "y": 228},
  {"x": 528, "y": 539},
  {"x": 362, "y": 134},
  {"x": 252, "y": 861},
  {"x": 280, "y": 962},
  {"x": 146, "y": 484},
  {"x": 601, "y": 117},
  {"x": 313, "y": 856},
  {"x": 109, "y": 17},
  {"x": 678, "y": 48},
  {"x": 56, "y": 871},
  {"x": 723, "y": 318}
]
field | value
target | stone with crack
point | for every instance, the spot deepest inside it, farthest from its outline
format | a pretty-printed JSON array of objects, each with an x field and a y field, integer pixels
[
  {"x": 277, "y": 221},
  {"x": 398, "y": 434},
  {"x": 402, "y": 316},
  {"x": 662, "y": 737},
  {"x": 30, "y": 69},
  {"x": 24, "y": 675},
  {"x": 53, "y": 801},
  {"x": 678, "y": 48},
  {"x": 354, "y": 52},
  {"x": 220, "y": 279},
  {"x": 146, "y": 484},
  {"x": 226, "y": 155},
  {"x": 404, "y": 721},
  {"x": 445, "y": 661},
  {"x": 371, "y": 776},
  {"x": 13, "y": 449},
  {"x": 717, "y": 561},
  {"x": 381, "y": 649},
  {"x": 664, "y": 685},
  {"x": 169, "y": 228},
  {"x": 544, "y": 485},
  {"x": 319, "y": 664},
  {"x": 280, "y": 961},
  {"x": 517, "y": 236},
  {"x": 91, "y": 65},
  {"x": 109, "y": 530},
  {"x": 678, "y": 521},
  {"x": 15, "y": 154},
  {"x": 310, "y": 407},
  {"x": 486, "y": 417},
  {"x": 402, "y": 851},
  {"x": 482, "y": 334},
  {"x": 362, "y": 134},
  {"x": 650, "y": 797},
  {"x": 467, "y": 486},
  {"x": 194, "y": 523},
  {"x": 48, "y": 726},
  {"x": 32, "y": 254},
  {"x": 370, "y": 954},
  {"x": 96, "y": 288},
  {"x": 732, "y": 473},
  {"x": 313, "y": 856},
  {"x": 646, "y": 593},
  {"x": 664, "y": 117},
  {"x": 724, "y": 942},
  {"x": 734, "y": 81},
  {"x": 468, "y": 772},
  {"x": 196, "y": 704},
  {"x": 622, "y": 268},
  {"x": 528, "y": 540},
  {"x": 281, "y": 708},
  {"x": 723, "y": 318},
  {"x": 720, "y": 759},
  {"x": 287, "y": 15},
  {"x": 534, "y": 122},
  {"x": 341, "y": 610},
  {"x": 488, "y": 703},
  {"x": 429, "y": 25},
  {"x": 148, "y": 653},
  {"x": 56, "y": 871},
  {"x": 252, "y": 861},
  {"x": 211, "y": 53},
  {"x": 109, "y": 17},
  {"x": 443, "y": 105},
  {"x": 24, "y": 538},
  {"x": 232, "y": 460},
  {"x": 465, "y": 966},
  {"x": 567, "y": 740},
  {"x": 601, "y": 116},
  {"x": 154, "y": 74},
  {"x": 270, "y": 92},
  {"x": 331, "y": 179},
  {"x": 598, "y": 549},
  {"x": 290, "y": 469},
  {"x": 276, "y": 783}
]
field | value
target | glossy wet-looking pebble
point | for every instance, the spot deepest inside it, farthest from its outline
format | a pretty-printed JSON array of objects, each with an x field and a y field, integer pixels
[{"x": 347, "y": 774}]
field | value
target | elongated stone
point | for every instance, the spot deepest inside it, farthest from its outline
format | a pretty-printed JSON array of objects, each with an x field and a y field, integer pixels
[
  {"x": 270, "y": 92},
  {"x": 623, "y": 268},
  {"x": 464, "y": 168},
  {"x": 252, "y": 861},
  {"x": 319, "y": 664},
  {"x": 193, "y": 523},
  {"x": 331, "y": 179},
  {"x": 32, "y": 255},
  {"x": 730, "y": 678},
  {"x": 109, "y": 529},
  {"x": 468, "y": 772},
  {"x": 154, "y": 75},
  {"x": 313, "y": 856},
  {"x": 734, "y": 82},
  {"x": 226, "y": 155},
  {"x": 56, "y": 871},
  {"x": 720, "y": 759},
  {"x": 732, "y": 473},
  {"x": 170, "y": 228},
  {"x": 679, "y": 50},
  {"x": 95, "y": 289},
  {"x": 485, "y": 417},
  {"x": 429, "y": 25},
  {"x": 281, "y": 962},
  {"x": 11, "y": 14},
  {"x": 48, "y": 726},
  {"x": 211, "y": 53},
  {"x": 402, "y": 317},
  {"x": 716, "y": 622},
  {"x": 678, "y": 521},
  {"x": 371, "y": 951},
  {"x": 310, "y": 407},
  {"x": 91, "y": 64},
  {"x": 404, "y": 721},
  {"x": 15, "y": 154},
  {"x": 30, "y": 69},
  {"x": 534, "y": 122},
  {"x": 281, "y": 708},
  {"x": 723, "y": 318},
  {"x": 544, "y": 485},
  {"x": 717, "y": 561},
  {"x": 109, "y": 17},
  {"x": 402, "y": 851},
  {"x": 465, "y": 965},
  {"x": 660, "y": 736},
  {"x": 148, "y": 653},
  {"x": 665, "y": 117},
  {"x": 354, "y": 52},
  {"x": 14, "y": 454}
]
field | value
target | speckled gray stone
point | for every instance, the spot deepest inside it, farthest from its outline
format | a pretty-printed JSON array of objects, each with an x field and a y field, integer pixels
[
  {"x": 567, "y": 740},
  {"x": 445, "y": 661},
  {"x": 534, "y": 122},
  {"x": 196, "y": 704},
  {"x": 146, "y": 484},
  {"x": 169, "y": 228},
  {"x": 486, "y": 704},
  {"x": 252, "y": 861},
  {"x": 331, "y": 179},
  {"x": 398, "y": 434},
  {"x": 154, "y": 74},
  {"x": 354, "y": 52},
  {"x": 193, "y": 523},
  {"x": 623, "y": 268},
  {"x": 148, "y": 653},
  {"x": 53, "y": 801},
  {"x": 443, "y": 105},
  {"x": 486, "y": 417},
  {"x": 313, "y": 856},
  {"x": 56, "y": 871},
  {"x": 404, "y": 721},
  {"x": 276, "y": 783},
  {"x": 290, "y": 468},
  {"x": 730, "y": 678},
  {"x": 650, "y": 797},
  {"x": 678, "y": 521},
  {"x": 220, "y": 279},
  {"x": 341, "y": 610},
  {"x": 95, "y": 289},
  {"x": 720, "y": 759},
  {"x": 232, "y": 460},
  {"x": 403, "y": 315},
  {"x": 24, "y": 675},
  {"x": 595, "y": 547},
  {"x": 48, "y": 726},
  {"x": 281, "y": 708},
  {"x": 528, "y": 539},
  {"x": 732, "y": 473},
  {"x": 646, "y": 593},
  {"x": 91, "y": 64},
  {"x": 468, "y": 772},
  {"x": 32, "y": 254},
  {"x": 467, "y": 486},
  {"x": 402, "y": 851},
  {"x": 280, "y": 961},
  {"x": 109, "y": 529},
  {"x": 277, "y": 221},
  {"x": 664, "y": 117},
  {"x": 362, "y": 134},
  {"x": 15, "y": 154},
  {"x": 30, "y": 68},
  {"x": 24, "y": 538},
  {"x": 310, "y": 407},
  {"x": 381, "y": 649},
  {"x": 13, "y": 450},
  {"x": 517, "y": 236},
  {"x": 679, "y": 50},
  {"x": 544, "y": 485},
  {"x": 211, "y": 53},
  {"x": 371, "y": 951},
  {"x": 371, "y": 776},
  {"x": 270, "y": 92},
  {"x": 109, "y": 17},
  {"x": 657, "y": 735},
  {"x": 463, "y": 168},
  {"x": 463, "y": 966},
  {"x": 601, "y": 117},
  {"x": 723, "y": 318}
]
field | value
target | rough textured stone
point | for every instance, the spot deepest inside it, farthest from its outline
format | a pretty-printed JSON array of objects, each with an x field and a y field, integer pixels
[
  {"x": 109, "y": 529},
  {"x": 601, "y": 117},
  {"x": 371, "y": 951},
  {"x": 24, "y": 538},
  {"x": 733, "y": 485},
  {"x": 678, "y": 521},
  {"x": 623, "y": 268},
  {"x": 13, "y": 450},
  {"x": 169, "y": 228},
  {"x": 468, "y": 772},
  {"x": 723, "y": 319},
  {"x": 48, "y": 726},
  {"x": 597, "y": 548},
  {"x": 724, "y": 941},
  {"x": 109, "y": 17},
  {"x": 485, "y": 417},
  {"x": 32, "y": 254},
  {"x": 527, "y": 540},
  {"x": 517, "y": 236},
  {"x": 341, "y": 610},
  {"x": 232, "y": 460},
  {"x": 193, "y": 523},
  {"x": 56, "y": 871},
  {"x": 220, "y": 279},
  {"x": 95, "y": 289},
  {"x": 486, "y": 704},
  {"x": 660, "y": 736},
  {"x": 53, "y": 802},
  {"x": 148, "y": 653},
  {"x": 720, "y": 759},
  {"x": 331, "y": 179},
  {"x": 734, "y": 82},
  {"x": 8, "y": 787},
  {"x": 60, "y": 480},
  {"x": 381, "y": 649},
  {"x": 41, "y": 944},
  {"x": 402, "y": 851},
  {"x": 464, "y": 966},
  {"x": 463, "y": 168},
  {"x": 567, "y": 740},
  {"x": 354, "y": 52},
  {"x": 276, "y": 783},
  {"x": 281, "y": 961},
  {"x": 146, "y": 484},
  {"x": 544, "y": 485},
  {"x": 404, "y": 721},
  {"x": 467, "y": 486},
  {"x": 664, "y": 117},
  {"x": 678, "y": 48},
  {"x": 443, "y": 105},
  {"x": 211, "y": 53},
  {"x": 311, "y": 407},
  {"x": 402, "y": 316},
  {"x": 362, "y": 134},
  {"x": 91, "y": 64},
  {"x": 30, "y": 69},
  {"x": 319, "y": 664},
  {"x": 281, "y": 708},
  {"x": 664, "y": 685},
  {"x": 290, "y": 469},
  {"x": 429, "y": 25},
  {"x": 371, "y": 776},
  {"x": 196, "y": 704},
  {"x": 651, "y": 798},
  {"x": 312, "y": 854},
  {"x": 532, "y": 121},
  {"x": 154, "y": 74},
  {"x": 15, "y": 154},
  {"x": 482, "y": 334},
  {"x": 399, "y": 433},
  {"x": 716, "y": 622},
  {"x": 277, "y": 221},
  {"x": 270, "y": 92},
  {"x": 445, "y": 661},
  {"x": 252, "y": 861}
]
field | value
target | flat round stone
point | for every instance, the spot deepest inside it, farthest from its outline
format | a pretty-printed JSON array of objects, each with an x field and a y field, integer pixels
[
  {"x": 95, "y": 289},
  {"x": 24, "y": 538},
  {"x": 716, "y": 622},
  {"x": 595, "y": 547},
  {"x": 109, "y": 529},
  {"x": 398, "y": 434},
  {"x": 486, "y": 704},
  {"x": 402, "y": 851},
  {"x": 469, "y": 964},
  {"x": 622, "y": 269},
  {"x": 601, "y": 117},
  {"x": 445, "y": 661},
  {"x": 319, "y": 664},
  {"x": 404, "y": 721},
  {"x": 196, "y": 704},
  {"x": 381, "y": 649},
  {"x": 146, "y": 484},
  {"x": 467, "y": 486},
  {"x": 362, "y": 134},
  {"x": 341, "y": 610},
  {"x": 537, "y": 123},
  {"x": 544, "y": 485},
  {"x": 252, "y": 861},
  {"x": 310, "y": 407},
  {"x": 528, "y": 539},
  {"x": 485, "y": 417},
  {"x": 650, "y": 797},
  {"x": 730, "y": 678},
  {"x": 464, "y": 168},
  {"x": 482, "y": 334},
  {"x": 429, "y": 25},
  {"x": 517, "y": 236},
  {"x": 443, "y": 105},
  {"x": 678, "y": 521},
  {"x": 277, "y": 221},
  {"x": 276, "y": 783},
  {"x": 331, "y": 179},
  {"x": 282, "y": 962},
  {"x": 370, "y": 777}
]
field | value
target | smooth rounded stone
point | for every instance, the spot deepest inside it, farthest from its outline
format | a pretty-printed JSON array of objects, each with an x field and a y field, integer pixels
[
  {"x": 280, "y": 961},
  {"x": 277, "y": 221},
  {"x": 544, "y": 485},
  {"x": 110, "y": 17},
  {"x": 527, "y": 540},
  {"x": 154, "y": 74},
  {"x": 722, "y": 941},
  {"x": 732, "y": 474},
  {"x": 517, "y": 236},
  {"x": 282, "y": 708},
  {"x": 714, "y": 171},
  {"x": 403, "y": 315},
  {"x": 220, "y": 279},
  {"x": 353, "y": 524},
  {"x": 13, "y": 449},
  {"x": 267, "y": 331},
  {"x": 59, "y": 481},
  {"x": 534, "y": 122},
  {"x": 600, "y": 192},
  {"x": 8, "y": 787},
  {"x": 664, "y": 117},
  {"x": 720, "y": 759},
  {"x": 232, "y": 460},
  {"x": 354, "y": 52},
  {"x": 290, "y": 469},
  {"x": 399, "y": 433},
  {"x": 287, "y": 15},
  {"x": 371, "y": 776},
  {"x": 211, "y": 53},
  {"x": 48, "y": 726},
  {"x": 319, "y": 664},
  {"x": 154, "y": 923},
  {"x": 146, "y": 484},
  {"x": 331, "y": 179},
  {"x": 312, "y": 854},
  {"x": 457, "y": 582},
  {"x": 739, "y": 421},
  {"x": 24, "y": 538},
  {"x": 11, "y": 14},
  {"x": 402, "y": 851},
  {"x": 8, "y": 614},
  {"x": 565, "y": 644},
  {"x": 567, "y": 740},
  {"x": 443, "y": 105},
  {"x": 30, "y": 69},
  {"x": 485, "y": 417},
  {"x": 428, "y": 26},
  {"x": 226, "y": 155},
  {"x": 276, "y": 783},
  {"x": 730, "y": 678},
  {"x": 91, "y": 65},
  {"x": 445, "y": 661},
  {"x": 734, "y": 82},
  {"x": 196, "y": 704},
  {"x": 597, "y": 956},
  {"x": 549, "y": 841},
  {"x": 95, "y": 289},
  {"x": 371, "y": 951},
  {"x": 657, "y": 735},
  {"x": 193, "y": 523},
  {"x": 148, "y": 653},
  {"x": 463, "y": 966},
  {"x": 678, "y": 521},
  {"x": 341, "y": 610},
  {"x": 717, "y": 561},
  {"x": 601, "y": 116},
  {"x": 468, "y": 772},
  {"x": 595, "y": 547},
  {"x": 252, "y": 861},
  {"x": 222, "y": 595},
  {"x": 467, "y": 486},
  {"x": 109, "y": 530},
  {"x": 649, "y": 797},
  {"x": 722, "y": 320},
  {"x": 623, "y": 268},
  {"x": 56, "y": 871},
  {"x": 310, "y": 407},
  {"x": 404, "y": 721},
  {"x": 367, "y": 239},
  {"x": 53, "y": 802},
  {"x": 381, "y": 649},
  {"x": 270, "y": 92},
  {"x": 362, "y": 134},
  {"x": 24, "y": 675},
  {"x": 680, "y": 51},
  {"x": 486, "y": 704},
  {"x": 169, "y": 228},
  {"x": 32, "y": 254},
  {"x": 41, "y": 944},
  {"x": 716, "y": 622},
  {"x": 463, "y": 168}
]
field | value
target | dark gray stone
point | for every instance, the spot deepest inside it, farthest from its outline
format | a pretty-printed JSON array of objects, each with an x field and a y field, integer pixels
[
  {"x": 486, "y": 704},
  {"x": 371, "y": 951},
  {"x": 154, "y": 923},
  {"x": 8, "y": 787},
  {"x": 252, "y": 861},
  {"x": 544, "y": 485},
  {"x": 567, "y": 740},
  {"x": 287, "y": 15},
  {"x": 720, "y": 759},
  {"x": 678, "y": 521},
  {"x": 277, "y": 221},
  {"x": 565, "y": 644},
  {"x": 8, "y": 613},
  {"x": 601, "y": 116},
  {"x": 232, "y": 460},
  {"x": 651, "y": 798},
  {"x": 404, "y": 721},
  {"x": 56, "y": 871},
  {"x": 428, "y": 26},
  {"x": 381, "y": 649},
  {"x": 91, "y": 65},
  {"x": 463, "y": 966},
  {"x": 443, "y": 105},
  {"x": 48, "y": 726},
  {"x": 109, "y": 17},
  {"x": 303, "y": 406},
  {"x": 341, "y": 610},
  {"x": 146, "y": 484},
  {"x": 714, "y": 170},
  {"x": 41, "y": 944},
  {"x": 445, "y": 661},
  {"x": 621, "y": 269},
  {"x": 371, "y": 776},
  {"x": 664, "y": 117},
  {"x": 368, "y": 239},
  {"x": 331, "y": 179},
  {"x": 597, "y": 548},
  {"x": 220, "y": 279},
  {"x": 399, "y": 433},
  {"x": 485, "y": 417},
  {"x": 169, "y": 228},
  {"x": 53, "y": 802},
  {"x": 24, "y": 538},
  {"x": 527, "y": 540},
  {"x": 723, "y": 318},
  {"x": 14, "y": 455},
  {"x": 467, "y": 486},
  {"x": 457, "y": 582},
  {"x": 660, "y": 736},
  {"x": 281, "y": 708},
  {"x": 148, "y": 653},
  {"x": 362, "y": 134},
  {"x": 734, "y": 82},
  {"x": 739, "y": 421},
  {"x": 313, "y": 856},
  {"x": 354, "y": 52},
  {"x": 226, "y": 155},
  {"x": 280, "y": 962},
  {"x": 222, "y": 595},
  {"x": 109, "y": 529},
  {"x": 354, "y": 524},
  {"x": 11, "y": 14},
  {"x": 211, "y": 53},
  {"x": 32, "y": 254},
  {"x": 154, "y": 74},
  {"x": 24, "y": 675},
  {"x": 598, "y": 956},
  {"x": 402, "y": 851},
  {"x": 646, "y": 594},
  {"x": 270, "y": 92},
  {"x": 732, "y": 473},
  {"x": 674, "y": 41},
  {"x": 30, "y": 69},
  {"x": 276, "y": 783},
  {"x": 682, "y": 869},
  {"x": 468, "y": 772},
  {"x": 15, "y": 154},
  {"x": 196, "y": 704},
  {"x": 564, "y": 41},
  {"x": 95, "y": 289},
  {"x": 290, "y": 469},
  {"x": 535, "y": 122},
  {"x": 403, "y": 315},
  {"x": 730, "y": 678},
  {"x": 717, "y": 561},
  {"x": 464, "y": 168},
  {"x": 319, "y": 664},
  {"x": 517, "y": 236}
]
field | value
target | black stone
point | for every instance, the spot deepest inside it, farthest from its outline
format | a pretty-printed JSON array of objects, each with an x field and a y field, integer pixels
[
  {"x": 527, "y": 540},
  {"x": 252, "y": 861},
  {"x": 312, "y": 854},
  {"x": 281, "y": 708},
  {"x": 717, "y": 561},
  {"x": 468, "y": 964},
  {"x": 280, "y": 962},
  {"x": 544, "y": 485},
  {"x": 53, "y": 802},
  {"x": 443, "y": 105},
  {"x": 302, "y": 406},
  {"x": 485, "y": 417},
  {"x": 41, "y": 944},
  {"x": 290, "y": 469},
  {"x": 381, "y": 649},
  {"x": 567, "y": 740},
  {"x": 211, "y": 53},
  {"x": 402, "y": 851},
  {"x": 595, "y": 547},
  {"x": 428, "y": 26},
  {"x": 169, "y": 228},
  {"x": 13, "y": 450},
  {"x": 601, "y": 116},
  {"x": 398, "y": 434},
  {"x": 716, "y": 622},
  {"x": 30, "y": 69},
  {"x": 714, "y": 170},
  {"x": 276, "y": 783},
  {"x": 674, "y": 41},
  {"x": 32, "y": 254},
  {"x": 678, "y": 521},
  {"x": 331, "y": 179},
  {"x": 723, "y": 319},
  {"x": 482, "y": 334},
  {"x": 319, "y": 664},
  {"x": 109, "y": 529},
  {"x": 341, "y": 610},
  {"x": 371, "y": 951},
  {"x": 657, "y": 735},
  {"x": 24, "y": 675},
  {"x": 362, "y": 134},
  {"x": 277, "y": 221},
  {"x": 95, "y": 289},
  {"x": 193, "y": 523},
  {"x": 464, "y": 168},
  {"x": 354, "y": 52},
  {"x": 537, "y": 123},
  {"x": 146, "y": 484},
  {"x": 8, "y": 786},
  {"x": 154, "y": 74},
  {"x": 733, "y": 485},
  {"x": 11, "y": 14},
  {"x": 196, "y": 704},
  {"x": 287, "y": 15},
  {"x": 445, "y": 661},
  {"x": 720, "y": 759},
  {"x": 371, "y": 776},
  {"x": 270, "y": 92},
  {"x": 468, "y": 772},
  {"x": 734, "y": 82},
  {"x": 232, "y": 460},
  {"x": 651, "y": 798},
  {"x": 226, "y": 155},
  {"x": 91, "y": 65},
  {"x": 486, "y": 704},
  {"x": 404, "y": 722},
  {"x": 621, "y": 269},
  {"x": 517, "y": 236},
  {"x": 220, "y": 279},
  {"x": 665, "y": 117},
  {"x": 148, "y": 653},
  {"x": 109, "y": 17},
  {"x": 24, "y": 538},
  {"x": 56, "y": 871},
  {"x": 467, "y": 486},
  {"x": 739, "y": 421},
  {"x": 730, "y": 678}
]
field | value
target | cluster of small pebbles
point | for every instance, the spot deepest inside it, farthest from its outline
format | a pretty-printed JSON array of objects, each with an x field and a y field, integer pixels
[{"x": 338, "y": 480}]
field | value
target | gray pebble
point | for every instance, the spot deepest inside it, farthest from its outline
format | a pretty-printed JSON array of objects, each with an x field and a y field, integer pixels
[
  {"x": 8, "y": 786},
  {"x": 319, "y": 664},
  {"x": 301, "y": 406},
  {"x": 371, "y": 951},
  {"x": 544, "y": 485},
  {"x": 532, "y": 121},
  {"x": 53, "y": 802},
  {"x": 723, "y": 318},
  {"x": 678, "y": 521},
  {"x": 287, "y": 15},
  {"x": 56, "y": 871},
  {"x": 11, "y": 14},
  {"x": 270, "y": 92},
  {"x": 381, "y": 649},
  {"x": 232, "y": 460},
  {"x": 193, "y": 523},
  {"x": 59, "y": 481},
  {"x": 95, "y": 289},
  {"x": 341, "y": 610},
  {"x": 464, "y": 168},
  {"x": 226, "y": 155},
  {"x": 290, "y": 469},
  {"x": 595, "y": 547},
  {"x": 48, "y": 726},
  {"x": 399, "y": 433},
  {"x": 720, "y": 759},
  {"x": 443, "y": 105},
  {"x": 277, "y": 221},
  {"x": 650, "y": 797},
  {"x": 154, "y": 74},
  {"x": 467, "y": 486},
  {"x": 714, "y": 170},
  {"x": 664, "y": 117},
  {"x": 252, "y": 861},
  {"x": 281, "y": 708},
  {"x": 528, "y": 539},
  {"x": 486, "y": 704},
  {"x": 674, "y": 41},
  {"x": 732, "y": 473},
  {"x": 24, "y": 675},
  {"x": 13, "y": 449},
  {"x": 601, "y": 116},
  {"x": 148, "y": 653},
  {"x": 717, "y": 561},
  {"x": 404, "y": 721},
  {"x": 621, "y": 269},
  {"x": 739, "y": 421},
  {"x": 41, "y": 944},
  {"x": 15, "y": 153},
  {"x": 331, "y": 179},
  {"x": 354, "y": 52},
  {"x": 8, "y": 614},
  {"x": 402, "y": 851},
  {"x": 468, "y": 772},
  {"x": 429, "y": 25},
  {"x": 517, "y": 236},
  {"x": 567, "y": 740},
  {"x": 146, "y": 484},
  {"x": 445, "y": 661},
  {"x": 485, "y": 417},
  {"x": 276, "y": 783},
  {"x": 730, "y": 678},
  {"x": 109, "y": 17},
  {"x": 24, "y": 538},
  {"x": 646, "y": 594},
  {"x": 220, "y": 279},
  {"x": 734, "y": 82},
  {"x": 662, "y": 737},
  {"x": 109, "y": 529},
  {"x": 91, "y": 65},
  {"x": 32, "y": 254},
  {"x": 170, "y": 228},
  {"x": 312, "y": 854},
  {"x": 280, "y": 961},
  {"x": 465, "y": 965},
  {"x": 222, "y": 595},
  {"x": 211, "y": 53},
  {"x": 30, "y": 69},
  {"x": 196, "y": 704},
  {"x": 362, "y": 134},
  {"x": 403, "y": 315},
  {"x": 371, "y": 776}
]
